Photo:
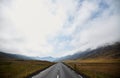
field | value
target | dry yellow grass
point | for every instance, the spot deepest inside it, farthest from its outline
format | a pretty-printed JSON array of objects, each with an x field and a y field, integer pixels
[
  {"x": 100, "y": 68},
  {"x": 21, "y": 68},
  {"x": 98, "y": 60}
]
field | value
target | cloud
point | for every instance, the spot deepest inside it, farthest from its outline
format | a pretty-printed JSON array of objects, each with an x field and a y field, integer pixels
[
  {"x": 103, "y": 29},
  {"x": 31, "y": 22},
  {"x": 57, "y": 28},
  {"x": 95, "y": 24}
]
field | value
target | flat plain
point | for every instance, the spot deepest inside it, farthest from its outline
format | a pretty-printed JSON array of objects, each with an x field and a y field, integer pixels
[
  {"x": 101, "y": 68},
  {"x": 21, "y": 68}
]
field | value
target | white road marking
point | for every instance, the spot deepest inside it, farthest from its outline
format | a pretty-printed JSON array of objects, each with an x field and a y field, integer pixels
[
  {"x": 80, "y": 76},
  {"x": 57, "y": 76}
]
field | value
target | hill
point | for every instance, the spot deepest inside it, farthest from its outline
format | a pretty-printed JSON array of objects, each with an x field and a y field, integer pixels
[
  {"x": 104, "y": 52},
  {"x": 13, "y": 56}
]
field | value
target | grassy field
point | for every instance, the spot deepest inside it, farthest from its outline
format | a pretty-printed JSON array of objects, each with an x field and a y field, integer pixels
[
  {"x": 21, "y": 68},
  {"x": 100, "y": 68}
]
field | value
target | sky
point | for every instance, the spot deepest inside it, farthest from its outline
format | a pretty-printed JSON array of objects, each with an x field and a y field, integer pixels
[{"x": 57, "y": 27}]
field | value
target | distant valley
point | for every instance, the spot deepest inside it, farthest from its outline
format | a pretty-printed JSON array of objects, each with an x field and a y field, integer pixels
[{"x": 106, "y": 52}]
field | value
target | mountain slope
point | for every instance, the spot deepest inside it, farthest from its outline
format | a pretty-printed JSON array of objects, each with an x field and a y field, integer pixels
[
  {"x": 109, "y": 51},
  {"x": 45, "y": 58},
  {"x": 13, "y": 56},
  {"x": 4, "y": 55}
]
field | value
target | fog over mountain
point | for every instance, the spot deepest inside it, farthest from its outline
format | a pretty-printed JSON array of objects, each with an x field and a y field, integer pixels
[
  {"x": 57, "y": 28},
  {"x": 104, "y": 52}
]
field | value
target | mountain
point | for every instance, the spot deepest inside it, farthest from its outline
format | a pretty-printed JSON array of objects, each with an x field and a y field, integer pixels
[
  {"x": 109, "y": 51},
  {"x": 4, "y": 55},
  {"x": 45, "y": 58}
]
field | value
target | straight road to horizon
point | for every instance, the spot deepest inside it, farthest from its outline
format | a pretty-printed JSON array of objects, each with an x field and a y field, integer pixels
[{"x": 58, "y": 70}]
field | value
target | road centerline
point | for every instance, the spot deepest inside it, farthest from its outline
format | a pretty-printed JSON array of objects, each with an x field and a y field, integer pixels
[{"x": 58, "y": 76}]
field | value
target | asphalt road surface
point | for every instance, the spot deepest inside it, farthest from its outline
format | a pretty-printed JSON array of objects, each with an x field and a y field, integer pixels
[{"x": 58, "y": 70}]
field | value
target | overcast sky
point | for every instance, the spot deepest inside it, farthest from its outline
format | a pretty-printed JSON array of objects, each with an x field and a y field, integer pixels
[{"x": 57, "y": 27}]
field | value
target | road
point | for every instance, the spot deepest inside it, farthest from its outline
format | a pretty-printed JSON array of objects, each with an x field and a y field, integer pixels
[{"x": 58, "y": 70}]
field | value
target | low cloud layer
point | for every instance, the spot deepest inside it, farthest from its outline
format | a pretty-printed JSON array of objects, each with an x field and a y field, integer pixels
[{"x": 57, "y": 28}]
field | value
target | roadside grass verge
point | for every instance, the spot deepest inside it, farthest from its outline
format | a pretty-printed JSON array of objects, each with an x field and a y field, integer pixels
[
  {"x": 96, "y": 68},
  {"x": 21, "y": 68}
]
